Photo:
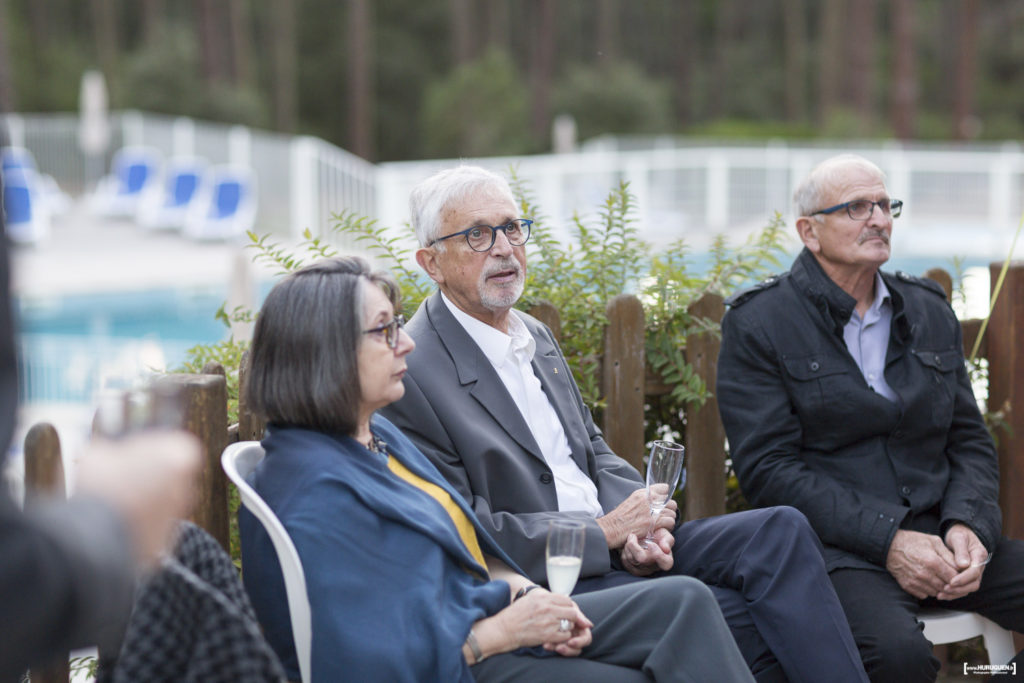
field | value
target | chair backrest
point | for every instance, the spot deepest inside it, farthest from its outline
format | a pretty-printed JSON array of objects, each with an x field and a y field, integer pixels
[
  {"x": 239, "y": 460},
  {"x": 27, "y": 219},
  {"x": 16, "y": 157},
  {"x": 227, "y": 196},
  {"x": 135, "y": 168},
  {"x": 17, "y": 199},
  {"x": 183, "y": 182}
]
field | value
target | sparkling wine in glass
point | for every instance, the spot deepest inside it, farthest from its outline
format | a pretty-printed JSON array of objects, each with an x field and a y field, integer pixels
[
  {"x": 664, "y": 469},
  {"x": 564, "y": 555}
]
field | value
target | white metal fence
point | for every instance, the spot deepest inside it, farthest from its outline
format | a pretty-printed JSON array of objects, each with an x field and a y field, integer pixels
[
  {"x": 964, "y": 199},
  {"x": 957, "y": 201}
]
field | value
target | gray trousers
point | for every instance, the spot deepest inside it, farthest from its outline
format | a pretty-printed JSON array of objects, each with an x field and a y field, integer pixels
[{"x": 665, "y": 630}]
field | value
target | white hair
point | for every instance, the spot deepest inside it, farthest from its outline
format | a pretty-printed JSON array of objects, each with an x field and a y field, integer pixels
[
  {"x": 812, "y": 192},
  {"x": 431, "y": 196}
]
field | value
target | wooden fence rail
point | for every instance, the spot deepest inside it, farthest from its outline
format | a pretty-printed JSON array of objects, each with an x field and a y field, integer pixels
[{"x": 627, "y": 385}]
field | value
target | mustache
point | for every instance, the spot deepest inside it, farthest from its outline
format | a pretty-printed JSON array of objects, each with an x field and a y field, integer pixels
[
  {"x": 871, "y": 234},
  {"x": 503, "y": 265}
]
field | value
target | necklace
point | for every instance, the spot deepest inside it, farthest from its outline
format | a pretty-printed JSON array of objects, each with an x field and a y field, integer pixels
[{"x": 377, "y": 445}]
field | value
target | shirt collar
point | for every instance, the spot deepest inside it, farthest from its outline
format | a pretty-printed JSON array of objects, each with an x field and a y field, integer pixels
[{"x": 495, "y": 344}]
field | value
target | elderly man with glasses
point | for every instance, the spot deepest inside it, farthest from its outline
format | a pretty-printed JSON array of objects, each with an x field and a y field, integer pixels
[
  {"x": 844, "y": 393},
  {"x": 491, "y": 401}
]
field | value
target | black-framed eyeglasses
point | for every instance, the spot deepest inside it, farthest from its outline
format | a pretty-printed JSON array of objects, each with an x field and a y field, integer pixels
[
  {"x": 481, "y": 237},
  {"x": 390, "y": 330},
  {"x": 861, "y": 209}
]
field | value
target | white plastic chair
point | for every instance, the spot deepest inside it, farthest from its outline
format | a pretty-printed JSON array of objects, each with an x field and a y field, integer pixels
[
  {"x": 943, "y": 626},
  {"x": 239, "y": 460}
]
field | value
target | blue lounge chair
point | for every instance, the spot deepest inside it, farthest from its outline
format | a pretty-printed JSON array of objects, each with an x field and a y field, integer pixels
[
  {"x": 26, "y": 216},
  {"x": 183, "y": 178},
  {"x": 134, "y": 172},
  {"x": 18, "y": 158},
  {"x": 226, "y": 207}
]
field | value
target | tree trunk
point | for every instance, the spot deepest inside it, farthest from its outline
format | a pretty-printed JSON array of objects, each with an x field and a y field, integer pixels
[
  {"x": 152, "y": 19},
  {"x": 831, "y": 57},
  {"x": 542, "y": 67},
  {"x": 240, "y": 24},
  {"x": 721, "y": 70},
  {"x": 904, "y": 70},
  {"x": 7, "y": 100},
  {"x": 461, "y": 16},
  {"x": 498, "y": 24},
  {"x": 285, "y": 87},
  {"x": 684, "y": 58},
  {"x": 795, "y": 32},
  {"x": 964, "y": 71},
  {"x": 606, "y": 36},
  {"x": 105, "y": 33},
  {"x": 860, "y": 37},
  {"x": 211, "y": 42},
  {"x": 360, "y": 42},
  {"x": 39, "y": 17}
]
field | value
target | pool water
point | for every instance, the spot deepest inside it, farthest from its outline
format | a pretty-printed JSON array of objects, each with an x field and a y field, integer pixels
[{"x": 70, "y": 346}]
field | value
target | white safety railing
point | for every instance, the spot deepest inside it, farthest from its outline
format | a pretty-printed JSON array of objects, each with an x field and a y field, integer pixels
[{"x": 957, "y": 201}]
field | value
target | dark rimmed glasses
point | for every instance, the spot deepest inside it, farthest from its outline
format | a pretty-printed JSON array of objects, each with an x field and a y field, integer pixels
[
  {"x": 481, "y": 237},
  {"x": 861, "y": 209},
  {"x": 390, "y": 330}
]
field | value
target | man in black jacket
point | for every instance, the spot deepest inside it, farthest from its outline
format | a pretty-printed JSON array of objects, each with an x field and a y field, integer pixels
[
  {"x": 844, "y": 393},
  {"x": 67, "y": 572}
]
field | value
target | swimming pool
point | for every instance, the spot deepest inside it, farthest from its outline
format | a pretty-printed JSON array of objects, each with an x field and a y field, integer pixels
[{"x": 69, "y": 346}]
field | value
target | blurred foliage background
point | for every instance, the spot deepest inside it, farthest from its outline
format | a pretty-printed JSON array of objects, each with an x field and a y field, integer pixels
[{"x": 408, "y": 79}]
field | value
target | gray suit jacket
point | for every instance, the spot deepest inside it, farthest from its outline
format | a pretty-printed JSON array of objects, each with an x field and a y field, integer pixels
[{"x": 457, "y": 411}]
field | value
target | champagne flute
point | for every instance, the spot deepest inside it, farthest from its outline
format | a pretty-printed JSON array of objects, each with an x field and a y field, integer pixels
[
  {"x": 564, "y": 556},
  {"x": 664, "y": 469}
]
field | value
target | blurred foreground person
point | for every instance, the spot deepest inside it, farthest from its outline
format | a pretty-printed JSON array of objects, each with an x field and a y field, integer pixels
[
  {"x": 67, "y": 571},
  {"x": 404, "y": 583}
]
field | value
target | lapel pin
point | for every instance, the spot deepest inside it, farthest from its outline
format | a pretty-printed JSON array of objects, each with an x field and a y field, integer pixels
[{"x": 556, "y": 371}]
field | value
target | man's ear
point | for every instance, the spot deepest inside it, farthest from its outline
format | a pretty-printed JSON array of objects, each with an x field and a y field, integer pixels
[
  {"x": 807, "y": 228},
  {"x": 427, "y": 258}
]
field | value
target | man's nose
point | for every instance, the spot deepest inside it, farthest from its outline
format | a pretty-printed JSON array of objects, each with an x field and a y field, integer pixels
[
  {"x": 501, "y": 247},
  {"x": 880, "y": 217}
]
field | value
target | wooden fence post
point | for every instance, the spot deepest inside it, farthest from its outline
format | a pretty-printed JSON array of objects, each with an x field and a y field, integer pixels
[
  {"x": 1006, "y": 392},
  {"x": 44, "y": 478},
  {"x": 705, "y": 436},
  {"x": 205, "y": 401},
  {"x": 623, "y": 377},
  {"x": 548, "y": 314},
  {"x": 250, "y": 427}
]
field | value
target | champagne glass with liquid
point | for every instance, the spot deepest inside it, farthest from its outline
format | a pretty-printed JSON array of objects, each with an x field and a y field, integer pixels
[
  {"x": 564, "y": 557},
  {"x": 664, "y": 469}
]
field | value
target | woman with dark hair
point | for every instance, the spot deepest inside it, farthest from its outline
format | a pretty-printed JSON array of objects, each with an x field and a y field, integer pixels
[{"x": 403, "y": 583}]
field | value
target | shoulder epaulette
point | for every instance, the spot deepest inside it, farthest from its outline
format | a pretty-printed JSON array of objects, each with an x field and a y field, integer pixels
[
  {"x": 743, "y": 296},
  {"x": 926, "y": 282}
]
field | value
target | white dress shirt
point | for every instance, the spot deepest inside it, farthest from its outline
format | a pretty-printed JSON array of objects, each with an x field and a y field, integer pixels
[{"x": 512, "y": 355}]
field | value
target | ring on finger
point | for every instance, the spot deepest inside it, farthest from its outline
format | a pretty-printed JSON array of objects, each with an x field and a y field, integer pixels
[{"x": 563, "y": 625}]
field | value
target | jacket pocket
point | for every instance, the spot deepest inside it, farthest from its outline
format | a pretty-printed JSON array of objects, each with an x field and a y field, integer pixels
[
  {"x": 815, "y": 378},
  {"x": 940, "y": 367}
]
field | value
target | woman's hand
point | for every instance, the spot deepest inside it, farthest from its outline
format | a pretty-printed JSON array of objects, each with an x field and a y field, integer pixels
[{"x": 535, "y": 619}]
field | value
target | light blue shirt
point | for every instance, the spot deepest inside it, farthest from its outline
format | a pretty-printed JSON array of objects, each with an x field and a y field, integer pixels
[{"x": 867, "y": 340}]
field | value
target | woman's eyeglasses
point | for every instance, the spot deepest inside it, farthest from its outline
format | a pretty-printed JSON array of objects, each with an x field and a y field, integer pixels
[{"x": 390, "y": 330}]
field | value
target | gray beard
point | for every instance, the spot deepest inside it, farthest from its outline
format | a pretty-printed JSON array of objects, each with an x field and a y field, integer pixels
[{"x": 502, "y": 298}]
